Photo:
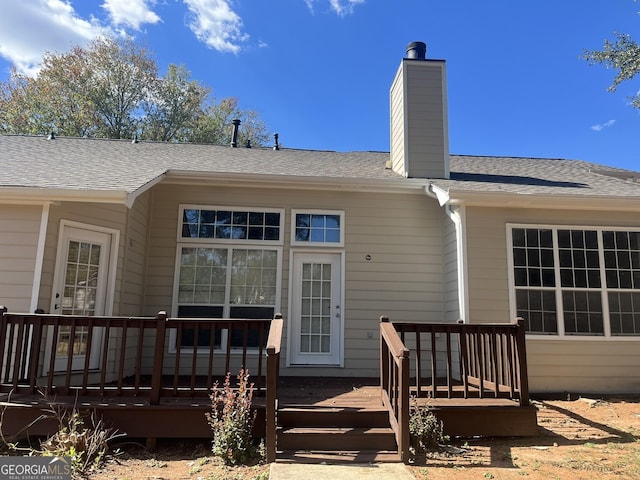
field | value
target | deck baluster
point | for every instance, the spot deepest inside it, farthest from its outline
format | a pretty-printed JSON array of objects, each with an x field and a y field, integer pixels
[
  {"x": 87, "y": 358},
  {"x": 434, "y": 366},
  {"x": 138, "y": 362}
]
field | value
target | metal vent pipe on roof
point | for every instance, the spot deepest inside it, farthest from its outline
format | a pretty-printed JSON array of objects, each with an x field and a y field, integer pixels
[
  {"x": 234, "y": 133},
  {"x": 276, "y": 145},
  {"x": 417, "y": 50}
]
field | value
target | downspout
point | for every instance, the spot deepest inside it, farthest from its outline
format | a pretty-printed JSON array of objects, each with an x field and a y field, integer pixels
[
  {"x": 39, "y": 260},
  {"x": 456, "y": 214}
]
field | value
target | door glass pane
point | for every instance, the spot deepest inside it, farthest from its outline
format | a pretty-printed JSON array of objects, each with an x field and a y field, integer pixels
[
  {"x": 315, "y": 331},
  {"x": 79, "y": 293}
]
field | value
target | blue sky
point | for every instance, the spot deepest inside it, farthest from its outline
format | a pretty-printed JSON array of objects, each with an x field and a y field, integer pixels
[{"x": 319, "y": 71}]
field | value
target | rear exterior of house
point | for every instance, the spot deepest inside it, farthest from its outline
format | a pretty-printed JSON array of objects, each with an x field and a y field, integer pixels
[
  {"x": 332, "y": 261},
  {"x": 364, "y": 254},
  {"x": 333, "y": 241}
]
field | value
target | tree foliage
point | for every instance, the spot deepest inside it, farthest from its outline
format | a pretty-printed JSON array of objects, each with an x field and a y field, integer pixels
[
  {"x": 112, "y": 89},
  {"x": 622, "y": 55}
]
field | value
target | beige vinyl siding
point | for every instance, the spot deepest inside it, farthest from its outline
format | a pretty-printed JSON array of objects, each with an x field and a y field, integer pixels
[
  {"x": 19, "y": 231},
  {"x": 397, "y": 130},
  {"x": 401, "y": 233},
  {"x": 135, "y": 249},
  {"x": 594, "y": 366},
  {"x": 487, "y": 265},
  {"x": 419, "y": 135},
  {"x": 601, "y": 365},
  {"x": 452, "y": 305}
]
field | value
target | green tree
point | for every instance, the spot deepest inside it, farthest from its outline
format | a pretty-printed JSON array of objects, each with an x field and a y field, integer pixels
[
  {"x": 621, "y": 55},
  {"x": 213, "y": 125},
  {"x": 122, "y": 76},
  {"x": 173, "y": 106},
  {"x": 112, "y": 89}
]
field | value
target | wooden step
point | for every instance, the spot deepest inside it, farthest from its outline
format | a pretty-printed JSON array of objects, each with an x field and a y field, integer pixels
[
  {"x": 306, "y": 416},
  {"x": 338, "y": 457},
  {"x": 337, "y": 438}
]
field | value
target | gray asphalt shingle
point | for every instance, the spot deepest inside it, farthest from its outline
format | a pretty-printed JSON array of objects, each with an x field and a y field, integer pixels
[{"x": 120, "y": 165}]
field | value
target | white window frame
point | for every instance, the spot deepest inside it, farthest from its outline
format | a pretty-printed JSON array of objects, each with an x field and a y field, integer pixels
[
  {"x": 558, "y": 289},
  {"x": 230, "y": 244},
  {"x": 303, "y": 211},
  {"x": 227, "y": 241}
]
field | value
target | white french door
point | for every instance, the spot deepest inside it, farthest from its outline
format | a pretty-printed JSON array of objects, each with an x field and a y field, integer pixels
[
  {"x": 80, "y": 288},
  {"x": 316, "y": 317}
]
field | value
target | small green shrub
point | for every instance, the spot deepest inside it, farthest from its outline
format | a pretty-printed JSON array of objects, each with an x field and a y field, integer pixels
[
  {"x": 231, "y": 421},
  {"x": 426, "y": 433}
]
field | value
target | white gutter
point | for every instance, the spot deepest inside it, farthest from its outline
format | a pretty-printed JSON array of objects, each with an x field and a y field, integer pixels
[
  {"x": 299, "y": 182},
  {"x": 527, "y": 200},
  {"x": 456, "y": 214},
  {"x": 37, "y": 271},
  {"x": 32, "y": 195}
]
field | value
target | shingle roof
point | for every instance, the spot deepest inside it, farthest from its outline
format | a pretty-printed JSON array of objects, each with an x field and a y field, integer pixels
[
  {"x": 538, "y": 176},
  {"x": 122, "y": 166},
  {"x": 100, "y": 164}
]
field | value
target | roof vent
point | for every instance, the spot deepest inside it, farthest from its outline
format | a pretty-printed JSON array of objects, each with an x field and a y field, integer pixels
[
  {"x": 52, "y": 136},
  {"x": 234, "y": 133},
  {"x": 134, "y": 139},
  {"x": 417, "y": 50},
  {"x": 248, "y": 145},
  {"x": 276, "y": 146}
]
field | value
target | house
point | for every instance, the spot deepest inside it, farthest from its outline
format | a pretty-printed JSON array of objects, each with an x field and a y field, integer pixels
[{"x": 334, "y": 240}]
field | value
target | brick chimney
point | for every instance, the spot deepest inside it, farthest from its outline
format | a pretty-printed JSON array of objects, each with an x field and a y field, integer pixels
[{"x": 419, "y": 122}]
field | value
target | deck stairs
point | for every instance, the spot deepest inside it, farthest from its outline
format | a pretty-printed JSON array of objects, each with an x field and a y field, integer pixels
[
  {"x": 333, "y": 420},
  {"x": 334, "y": 434}
]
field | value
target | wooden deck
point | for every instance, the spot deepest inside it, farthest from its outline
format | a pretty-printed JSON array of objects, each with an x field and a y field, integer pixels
[
  {"x": 183, "y": 417},
  {"x": 473, "y": 377}
]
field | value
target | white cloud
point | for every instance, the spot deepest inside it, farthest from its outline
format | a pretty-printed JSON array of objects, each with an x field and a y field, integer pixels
[
  {"x": 309, "y": 5},
  {"x": 602, "y": 126},
  {"x": 131, "y": 13},
  {"x": 216, "y": 24},
  {"x": 29, "y": 28},
  {"x": 341, "y": 7}
]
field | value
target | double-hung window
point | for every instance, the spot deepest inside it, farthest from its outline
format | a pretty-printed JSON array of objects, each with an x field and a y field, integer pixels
[
  {"x": 228, "y": 265},
  {"x": 576, "y": 280}
]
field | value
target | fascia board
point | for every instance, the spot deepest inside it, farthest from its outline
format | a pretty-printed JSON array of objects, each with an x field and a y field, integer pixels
[
  {"x": 556, "y": 202},
  {"x": 47, "y": 195},
  {"x": 400, "y": 185}
]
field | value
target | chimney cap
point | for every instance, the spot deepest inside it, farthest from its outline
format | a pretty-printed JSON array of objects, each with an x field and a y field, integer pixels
[{"x": 417, "y": 50}]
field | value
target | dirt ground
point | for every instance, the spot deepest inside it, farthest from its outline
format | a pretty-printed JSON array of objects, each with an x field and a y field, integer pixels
[{"x": 583, "y": 439}]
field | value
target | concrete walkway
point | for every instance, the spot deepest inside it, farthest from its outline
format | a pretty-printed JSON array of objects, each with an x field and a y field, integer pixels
[{"x": 373, "y": 471}]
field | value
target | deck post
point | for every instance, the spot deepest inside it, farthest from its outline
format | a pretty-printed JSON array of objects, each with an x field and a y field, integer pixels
[
  {"x": 271, "y": 395},
  {"x": 158, "y": 355},
  {"x": 384, "y": 372},
  {"x": 403, "y": 411},
  {"x": 4, "y": 367},
  {"x": 522, "y": 362}
]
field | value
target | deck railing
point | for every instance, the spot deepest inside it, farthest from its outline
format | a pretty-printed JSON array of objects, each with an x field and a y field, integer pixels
[
  {"x": 467, "y": 360},
  {"x": 152, "y": 358},
  {"x": 439, "y": 360},
  {"x": 394, "y": 383}
]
